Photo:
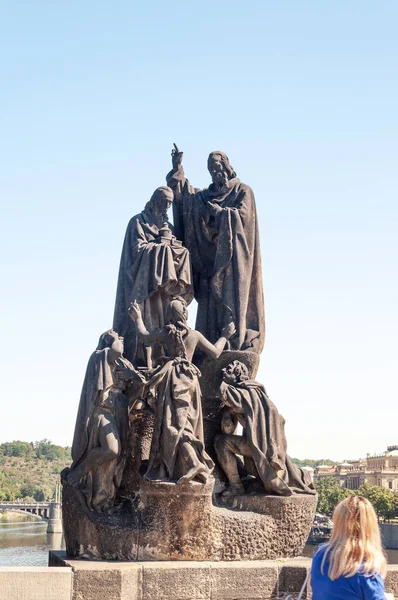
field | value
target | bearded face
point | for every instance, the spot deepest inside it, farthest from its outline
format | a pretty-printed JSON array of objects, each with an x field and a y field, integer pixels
[
  {"x": 217, "y": 170},
  {"x": 159, "y": 204},
  {"x": 163, "y": 203}
]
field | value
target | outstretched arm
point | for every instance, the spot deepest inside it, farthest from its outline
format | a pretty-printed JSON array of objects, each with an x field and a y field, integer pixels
[
  {"x": 214, "y": 350},
  {"x": 183, "y": 191},
  {"x": 134, "y": 312}
]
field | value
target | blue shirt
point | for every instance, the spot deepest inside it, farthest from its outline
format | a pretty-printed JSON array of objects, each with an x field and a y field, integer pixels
[{"x": 357, "y": 587}]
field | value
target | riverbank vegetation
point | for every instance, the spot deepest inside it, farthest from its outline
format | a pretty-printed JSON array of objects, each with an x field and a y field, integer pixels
[
  {"x": 30, "y": 470},
  {"x": 385, "y": 501}
]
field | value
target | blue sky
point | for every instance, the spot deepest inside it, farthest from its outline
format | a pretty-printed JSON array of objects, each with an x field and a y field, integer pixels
[{"x": 303, "y": 98}]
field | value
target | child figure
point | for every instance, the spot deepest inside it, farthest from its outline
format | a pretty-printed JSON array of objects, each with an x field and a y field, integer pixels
[{"x": 173, "y": 392}]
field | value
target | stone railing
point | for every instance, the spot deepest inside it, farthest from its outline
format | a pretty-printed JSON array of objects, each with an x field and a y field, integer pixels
[{"x": 174, "y": 580}]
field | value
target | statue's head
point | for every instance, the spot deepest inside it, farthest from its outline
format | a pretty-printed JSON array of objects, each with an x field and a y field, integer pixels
[
  {"x": 110, "y": 339},
  {"x": 220, "y": 168},
  {"x": 160, "y": 202},
  {"x": 235, "y": 372},
  {"x": 177, "y": 311}
]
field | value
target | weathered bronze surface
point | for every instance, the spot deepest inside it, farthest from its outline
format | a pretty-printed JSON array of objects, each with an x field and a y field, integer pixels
[{"x": 167, "y": 412}]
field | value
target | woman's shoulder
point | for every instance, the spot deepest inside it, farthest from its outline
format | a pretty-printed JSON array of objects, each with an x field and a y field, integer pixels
[
  {"x": 372, "y": 585},
  {"x": 319, "y": 553}
]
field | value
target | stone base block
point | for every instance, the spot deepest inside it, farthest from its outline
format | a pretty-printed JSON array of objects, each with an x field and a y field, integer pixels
[
  {"x": 252, "y": 580},
  {"x": 179, "y": 522},
  {"x": 176, "y": 521},
  {"x": 263, "y": 527},
  {"x": 98, "y": 536},
  {"x": 36, "y": 583}
]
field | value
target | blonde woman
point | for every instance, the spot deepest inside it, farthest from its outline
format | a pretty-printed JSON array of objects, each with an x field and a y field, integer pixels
[{"x": 352, "y": 565}]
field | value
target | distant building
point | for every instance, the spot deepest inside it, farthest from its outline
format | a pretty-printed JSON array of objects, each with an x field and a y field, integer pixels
[{"x": 380, "y": 470}]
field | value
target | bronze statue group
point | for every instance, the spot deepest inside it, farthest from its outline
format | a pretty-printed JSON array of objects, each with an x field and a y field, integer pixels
[{"x": 147, "y": 362}]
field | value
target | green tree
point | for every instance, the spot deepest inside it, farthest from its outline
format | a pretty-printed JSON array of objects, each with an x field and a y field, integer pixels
[
  {"x": 15, "y": 448},
  {"x": 330, "y": 494},
  {"x": 28, "y": 491},
  {"x": 45, "y": 449},
  {"x": 384, "y": 501}
]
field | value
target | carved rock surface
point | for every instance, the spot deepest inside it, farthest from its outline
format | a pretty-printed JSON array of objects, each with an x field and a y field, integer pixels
[
  {"x": 179, "y": 522},
  {"x": 263, "y": 527}
]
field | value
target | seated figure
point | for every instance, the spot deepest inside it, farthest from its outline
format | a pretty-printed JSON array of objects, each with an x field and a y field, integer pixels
[
  {"x": 173, "y": 393},
  {"x": 262, "y": 443},
  {"x": 154, "y": 267},
  {"x": 100, "y": 438}
]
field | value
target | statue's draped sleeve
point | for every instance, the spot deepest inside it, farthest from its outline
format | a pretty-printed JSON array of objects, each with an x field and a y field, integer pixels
[{"x": 184, "y": 193}]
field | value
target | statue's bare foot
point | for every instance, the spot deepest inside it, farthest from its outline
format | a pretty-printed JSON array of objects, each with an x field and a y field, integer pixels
[
  {"x": 234, "y": 490},
  {"x": 199, "y": 472}
]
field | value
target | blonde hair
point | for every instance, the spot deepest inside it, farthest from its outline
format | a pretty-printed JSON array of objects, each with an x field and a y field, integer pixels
[{"x": 355, "y": 543}]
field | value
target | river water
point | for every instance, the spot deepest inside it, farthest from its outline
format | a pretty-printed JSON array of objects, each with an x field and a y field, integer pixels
[{"x": 24, "y": 542}]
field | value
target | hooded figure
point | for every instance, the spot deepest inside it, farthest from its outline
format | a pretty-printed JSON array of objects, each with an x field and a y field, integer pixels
[
  {"x": 153, "y": 267},
  {"x": 219, "y": 227},
  {"x": 100, "y": 438},
  {"x": 263, "y": 443}
]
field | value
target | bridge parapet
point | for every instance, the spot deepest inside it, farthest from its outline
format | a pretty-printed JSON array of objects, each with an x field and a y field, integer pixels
[{"x": 48, "y": 511}]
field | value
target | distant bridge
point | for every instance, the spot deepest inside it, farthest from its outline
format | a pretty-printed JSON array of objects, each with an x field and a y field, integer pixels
[
  {"x": 41, "y": 509},
  {"x": 48, "y": 511}
]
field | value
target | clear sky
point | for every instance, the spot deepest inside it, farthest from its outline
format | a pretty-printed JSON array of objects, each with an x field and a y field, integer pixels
[{"x": 303, "y": 98}]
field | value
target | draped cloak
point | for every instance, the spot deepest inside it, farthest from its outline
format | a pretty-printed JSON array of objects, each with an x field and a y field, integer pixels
[
  {"x": 150, "y": 272},
  {"x": 225, "y": 256},
  {"x": 264, "y": 431},
  {"x": 174, "y": 394},
  {"x": 100, "y": 485}
]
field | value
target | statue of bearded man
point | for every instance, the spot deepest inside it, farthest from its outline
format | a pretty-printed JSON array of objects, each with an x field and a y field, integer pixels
[
  {"x": 219, "y": 227},
  {"x": 154, "y": 267}
]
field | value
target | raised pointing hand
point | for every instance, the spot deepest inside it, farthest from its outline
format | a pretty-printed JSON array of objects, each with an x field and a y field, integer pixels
[{"x": 176, "y": 157}]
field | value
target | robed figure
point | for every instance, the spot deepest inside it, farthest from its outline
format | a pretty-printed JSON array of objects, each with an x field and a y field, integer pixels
[
  {"x": 173, "y": 394},
  {"x": 100, "y": 439},
  {"x": 262, "y": 442},
  {"x": 154, "y": 267},
  {"x": 219, "y": 227}
]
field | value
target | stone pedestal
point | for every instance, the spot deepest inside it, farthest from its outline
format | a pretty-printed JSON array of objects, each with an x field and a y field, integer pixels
[
  {"x": 178, "y": 522},
  {"x": 98, "y": 536},
  {"x": 260, "y": 527}
]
